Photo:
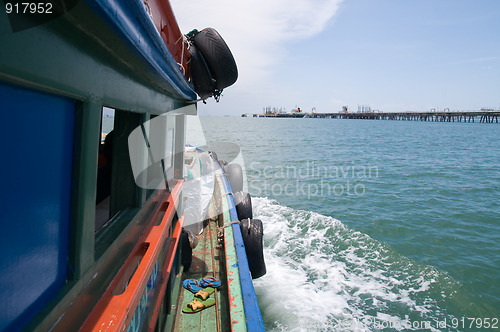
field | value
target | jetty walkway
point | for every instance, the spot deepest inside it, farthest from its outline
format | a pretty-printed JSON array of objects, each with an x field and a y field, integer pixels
[{"x": 437, "y": 116}]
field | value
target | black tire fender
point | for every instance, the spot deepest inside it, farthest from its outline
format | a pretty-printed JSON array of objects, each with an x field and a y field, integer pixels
[
  {"x": 234, "y": 175},
  {"x": 243, "y": 202},
  {"x": 218, "y": 57},
  {"x": 252, "y": 233},
  {"x": 202, "y": 81},
  {"x": 186, "y": 251}
]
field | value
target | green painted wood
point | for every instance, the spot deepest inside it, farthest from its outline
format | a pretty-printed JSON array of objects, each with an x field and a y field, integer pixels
[
  {"x": 80, "y": 61},
  {"x": 87, "y": 134},
  {"x": 202, "y": 266},
  {"x": 78, "y": 56},
  {"x": 169, "y": 307},
  {"x": 70, "y": 309},
  {"x": 237, "y": 310},
  {"x": 235, "y": 307},
  {"x": 209, "y": 259}
]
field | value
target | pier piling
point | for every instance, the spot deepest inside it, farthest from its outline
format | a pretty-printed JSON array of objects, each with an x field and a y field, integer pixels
[{"x": 484, "y": 116}]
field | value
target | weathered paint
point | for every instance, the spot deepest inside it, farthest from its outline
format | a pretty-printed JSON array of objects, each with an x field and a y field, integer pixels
[
  {"x": 140, "y": 317},
  {"x": 133, "y": 25},
  {"x": 166, "y": 25},
  {"x": 167, "y": 271},
  {"x": 203, "y": 265},
  {"x": 79, "y": 57},
  {"x": 117, "y": 307},
  {"x": 230, "y": 312},
  {"x": 251, "y": 306},
  {"x": 237, "y": 310}
]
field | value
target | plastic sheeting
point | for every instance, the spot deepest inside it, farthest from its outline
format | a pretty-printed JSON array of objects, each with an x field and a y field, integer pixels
[{"x": 198, "y": 189}]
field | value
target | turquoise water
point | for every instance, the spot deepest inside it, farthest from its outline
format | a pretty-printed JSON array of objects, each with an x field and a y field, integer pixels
[{"x": 373, "y": 225}]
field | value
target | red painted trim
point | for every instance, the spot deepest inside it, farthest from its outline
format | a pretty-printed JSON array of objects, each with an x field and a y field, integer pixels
[
  {"x": 166, "y": 272},
  {"x": 116, "y": 309},
  {"x": 166, "y": 24}
]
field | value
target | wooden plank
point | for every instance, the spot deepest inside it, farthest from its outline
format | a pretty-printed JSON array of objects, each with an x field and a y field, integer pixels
[
  {"x": 203, "y": 265},
  {"x": 236, "y": 307}
]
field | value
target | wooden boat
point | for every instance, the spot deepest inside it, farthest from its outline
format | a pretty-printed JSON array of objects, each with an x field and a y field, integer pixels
[{"x": 88, "y": 243}]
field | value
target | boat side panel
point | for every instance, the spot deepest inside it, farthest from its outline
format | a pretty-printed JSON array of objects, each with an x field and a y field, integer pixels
[
  {"x": 252, "y": 310},
  {"x": 131, "y": 21},
  {"x": 92, "y": 271},
  {"x": 87, "y": 128},
  {"x": 236, "y": 307},
  {"x": 166, "y": 24},
  {"x": 36, "y": 171},
  {"x": 75, "y": 56},
  {"x": 83, "y": 61}
]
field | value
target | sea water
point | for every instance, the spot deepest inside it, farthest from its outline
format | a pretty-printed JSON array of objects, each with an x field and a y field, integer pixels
[{"x": 373, "y": 225}]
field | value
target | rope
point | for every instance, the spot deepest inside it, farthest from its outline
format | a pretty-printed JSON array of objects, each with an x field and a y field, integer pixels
[
  {"x": 184, "y": 39},
  {"x": 230, "y": 223}
]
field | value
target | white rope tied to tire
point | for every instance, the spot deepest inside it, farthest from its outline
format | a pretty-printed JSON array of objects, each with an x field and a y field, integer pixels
[
  {"x": 230, "y": 223},
  {"x": 181, "y": 66}
]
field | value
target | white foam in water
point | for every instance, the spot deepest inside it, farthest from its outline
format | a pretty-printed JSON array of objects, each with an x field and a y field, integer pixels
[{"x": 322, "y": 276}]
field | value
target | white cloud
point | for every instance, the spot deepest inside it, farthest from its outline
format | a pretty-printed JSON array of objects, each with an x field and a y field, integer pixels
[{"x": 256, "y": 31}]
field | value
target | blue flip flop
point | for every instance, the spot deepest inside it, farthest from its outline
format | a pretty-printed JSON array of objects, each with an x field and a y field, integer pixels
[
  {"x": 191, "y": 285},
  {"x": 209, "y": 282}
]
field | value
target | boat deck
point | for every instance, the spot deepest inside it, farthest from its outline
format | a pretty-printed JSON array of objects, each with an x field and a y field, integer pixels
[
  {"x": 218, "y": 254},
  {"x": 207, "y": 262}
]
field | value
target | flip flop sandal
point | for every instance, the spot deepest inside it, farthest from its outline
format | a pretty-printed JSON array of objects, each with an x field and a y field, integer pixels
[
  {"x": 209, "y": 282},
  {"x": 204, "y": 293},
  {"x": 197, "y": 305},
  {"x": 191, "y": 285}
]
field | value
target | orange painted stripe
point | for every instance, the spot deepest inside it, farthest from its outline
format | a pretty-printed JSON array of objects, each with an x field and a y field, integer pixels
[
  {"x": 166, "y": 272},
  {"x": 115, "y": 311}
]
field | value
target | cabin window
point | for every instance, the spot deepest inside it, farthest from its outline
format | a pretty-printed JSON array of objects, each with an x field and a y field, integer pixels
[
  {"x": 129, "y": 176},
  {"x": 117, "y": 196},
  {"x": 159, "y": 138},
  {"x": 104, "y": 163}
]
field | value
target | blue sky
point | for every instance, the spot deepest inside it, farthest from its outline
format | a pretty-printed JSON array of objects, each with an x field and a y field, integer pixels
[{"x": 392, "y": 55}]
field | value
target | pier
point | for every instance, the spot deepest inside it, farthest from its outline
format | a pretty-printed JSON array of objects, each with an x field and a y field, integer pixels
[
  {"x": 483, "y": 116},
  {"x": 450, "y": 116}
]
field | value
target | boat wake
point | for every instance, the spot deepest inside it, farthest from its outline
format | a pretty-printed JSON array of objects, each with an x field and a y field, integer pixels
[{"x": 323, "y": 276}]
